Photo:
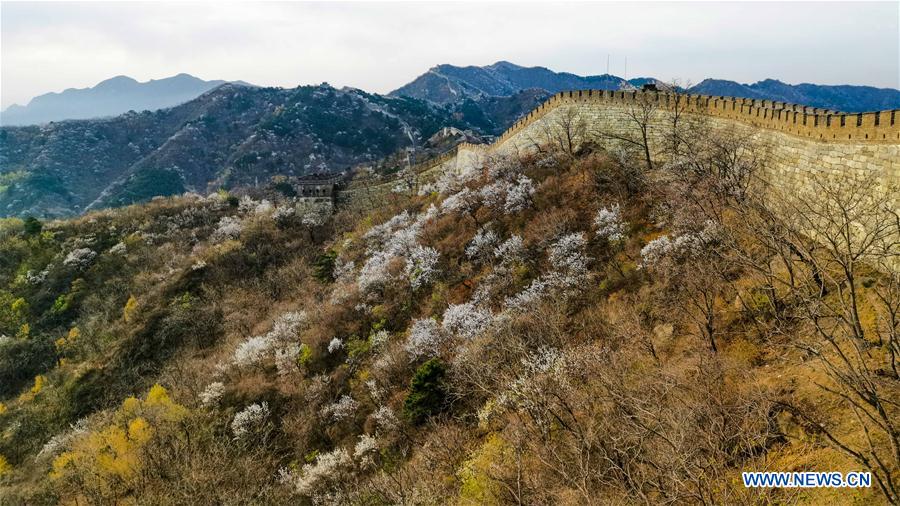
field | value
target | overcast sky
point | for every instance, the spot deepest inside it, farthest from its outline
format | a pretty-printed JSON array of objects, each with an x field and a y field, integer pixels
[{"x": 380, "y": 46}]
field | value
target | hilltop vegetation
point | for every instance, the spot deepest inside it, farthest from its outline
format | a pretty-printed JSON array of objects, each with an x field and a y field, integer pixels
[
  {"x": 575, "y": 326},
  {"x": 232, "y": 136}
]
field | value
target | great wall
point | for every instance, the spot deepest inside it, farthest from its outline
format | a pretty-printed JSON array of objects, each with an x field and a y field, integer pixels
[{"x": 802, "y": 143}]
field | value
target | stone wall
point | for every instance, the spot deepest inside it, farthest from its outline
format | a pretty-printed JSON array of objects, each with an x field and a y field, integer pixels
[{"x": 801, "y": 142}]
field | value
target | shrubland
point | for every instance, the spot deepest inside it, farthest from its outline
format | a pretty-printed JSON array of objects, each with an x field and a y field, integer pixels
[{"x": 571, "y": 326}]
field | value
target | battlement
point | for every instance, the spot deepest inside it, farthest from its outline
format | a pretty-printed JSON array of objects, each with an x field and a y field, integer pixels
[
  {"x": 809, "y": 123},
  {"x": 802, "y": 121}
]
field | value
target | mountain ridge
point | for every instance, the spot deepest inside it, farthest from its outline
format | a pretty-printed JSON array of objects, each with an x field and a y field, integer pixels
[
  {"x": 230, "y": 136},
  {"x": 446, "y": 84},
  {"x": 110, "y": 97}
]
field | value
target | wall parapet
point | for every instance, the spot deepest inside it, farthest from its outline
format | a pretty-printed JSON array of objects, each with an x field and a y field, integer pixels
[{"x": 794, "y": 119}]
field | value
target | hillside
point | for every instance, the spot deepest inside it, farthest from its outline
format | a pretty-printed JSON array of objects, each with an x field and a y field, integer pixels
[
  {"x": 237, "y": 136},
  {"x": 230, "y": 136},
  {"x": 837, "y": 98},
  {"x": 571, "y": 326},
  {"x": 111, "y": 97},
  {"x": 449, "y": 84}
]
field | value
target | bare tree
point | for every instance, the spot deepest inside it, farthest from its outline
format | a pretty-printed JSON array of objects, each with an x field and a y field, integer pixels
[
  {"x": 839, "y": 230},
  {"x": 640, "y": 117}
]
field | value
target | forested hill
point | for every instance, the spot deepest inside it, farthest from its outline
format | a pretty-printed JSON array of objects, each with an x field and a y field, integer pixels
[{"x": 231, "y": 136}]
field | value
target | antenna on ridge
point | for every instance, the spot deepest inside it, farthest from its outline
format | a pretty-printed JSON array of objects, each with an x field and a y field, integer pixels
[{"x": 607, "y": 63}]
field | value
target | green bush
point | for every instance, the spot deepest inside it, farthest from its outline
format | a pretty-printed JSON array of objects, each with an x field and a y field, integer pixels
[
  {"x": 427, "y": 393},
  {"x": 323, "y": 268},
  {"x": 21, "y": 360},
  {"x": 32, "y": 226}
]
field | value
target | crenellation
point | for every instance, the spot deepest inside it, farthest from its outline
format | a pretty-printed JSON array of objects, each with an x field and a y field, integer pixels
[{"x": 805, "y": 141}]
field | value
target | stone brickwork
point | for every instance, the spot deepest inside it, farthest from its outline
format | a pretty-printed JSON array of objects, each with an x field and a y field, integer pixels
[{"x": 801, "y": 142}]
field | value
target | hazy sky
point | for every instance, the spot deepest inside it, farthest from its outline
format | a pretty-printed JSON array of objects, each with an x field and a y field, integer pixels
[{"x": 380, "y": 46}]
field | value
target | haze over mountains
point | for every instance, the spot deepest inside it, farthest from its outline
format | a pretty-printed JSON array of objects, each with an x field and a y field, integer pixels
[
  {"x": 449, "y": 83},
  {"x": 443, "y": 84},
  {"x": 200, "y": 135},
  {"x": 111, "y": 97},
  {"x": 230, "y": 136}
]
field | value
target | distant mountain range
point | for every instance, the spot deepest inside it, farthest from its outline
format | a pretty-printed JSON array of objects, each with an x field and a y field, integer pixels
[
  {"x": 442, "y": 85},
  {"x": 445, "y": 84},
  {"x": 111, "y": 97},
  {"x": 230, "y": 136},
  {"x": 233, "y": 134}
]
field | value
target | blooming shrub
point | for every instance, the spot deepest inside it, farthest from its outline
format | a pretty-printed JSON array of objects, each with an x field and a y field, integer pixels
[
  {"x": 518, "y": 197},
  {"x": 567, "y": 255},
  {"x": 62, "y": 441},
  {"x": 329, "y": 469},
  {"x": 463, "y": 201},
  {"x": 110, "y": 457},
  {"x": 395, "y": 240},
  {"x": 118, "y": 249},
  {"x": 335, "y": 345},
  {"x": 375, "y": 272},
  {"x": 263, "y": 207},
  {"x": 283, "y": 214},
  {"x": 481, "y": 247},
  {"x": 344, "y": 407},
  {"x": 568, "y": 272},
  {"x": 315, "y": 214},
  {"x": 385, "y": 420},
  {"x": 343, "y": 270},
  {"x": 253, "y": 351},
  {"x": 609, "y": 224},
  {"x": 280, "y": 341},
  {"x": 466, "y": 320},
  {"x": 249, "y": 419},
  {"x": 365, "y": 447},
  {"x": 286, "y": 358},
  {"x": 680, "y": 248},
  {"x": 212, "y": 393},
  {"x": 421, "y": 266},
  {"x": 511, "y": 251},
  {"x": 80, "y": 258},
  {"x": 494, "y": 194},
  {"x": 229, "y": 227},
  {"x": 246, "y": 204},
  {"x": 425, "y": 338}
]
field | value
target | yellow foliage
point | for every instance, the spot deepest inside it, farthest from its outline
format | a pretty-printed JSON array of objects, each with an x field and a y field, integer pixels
[
  {"x": 24, "y": 331},
  {"x": 109, "y": 460},
  {"x": 60, "y": 343},
  {"x": 131, "y": 405},
  {"x": 19, "y": 307},
  {"x": 2, "y": 408},
  {"x": 60, "y": 463},
  {"x": 74, "y": 333},
  {"x": 39, "y": 382},
  {"x": 476, "y": 474},
  {"x": 5, "y": 467},
  {"x": 139, "y": 430},
  {"x": 130, "y": 309},
  {"x": 158, "y": 401}
]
